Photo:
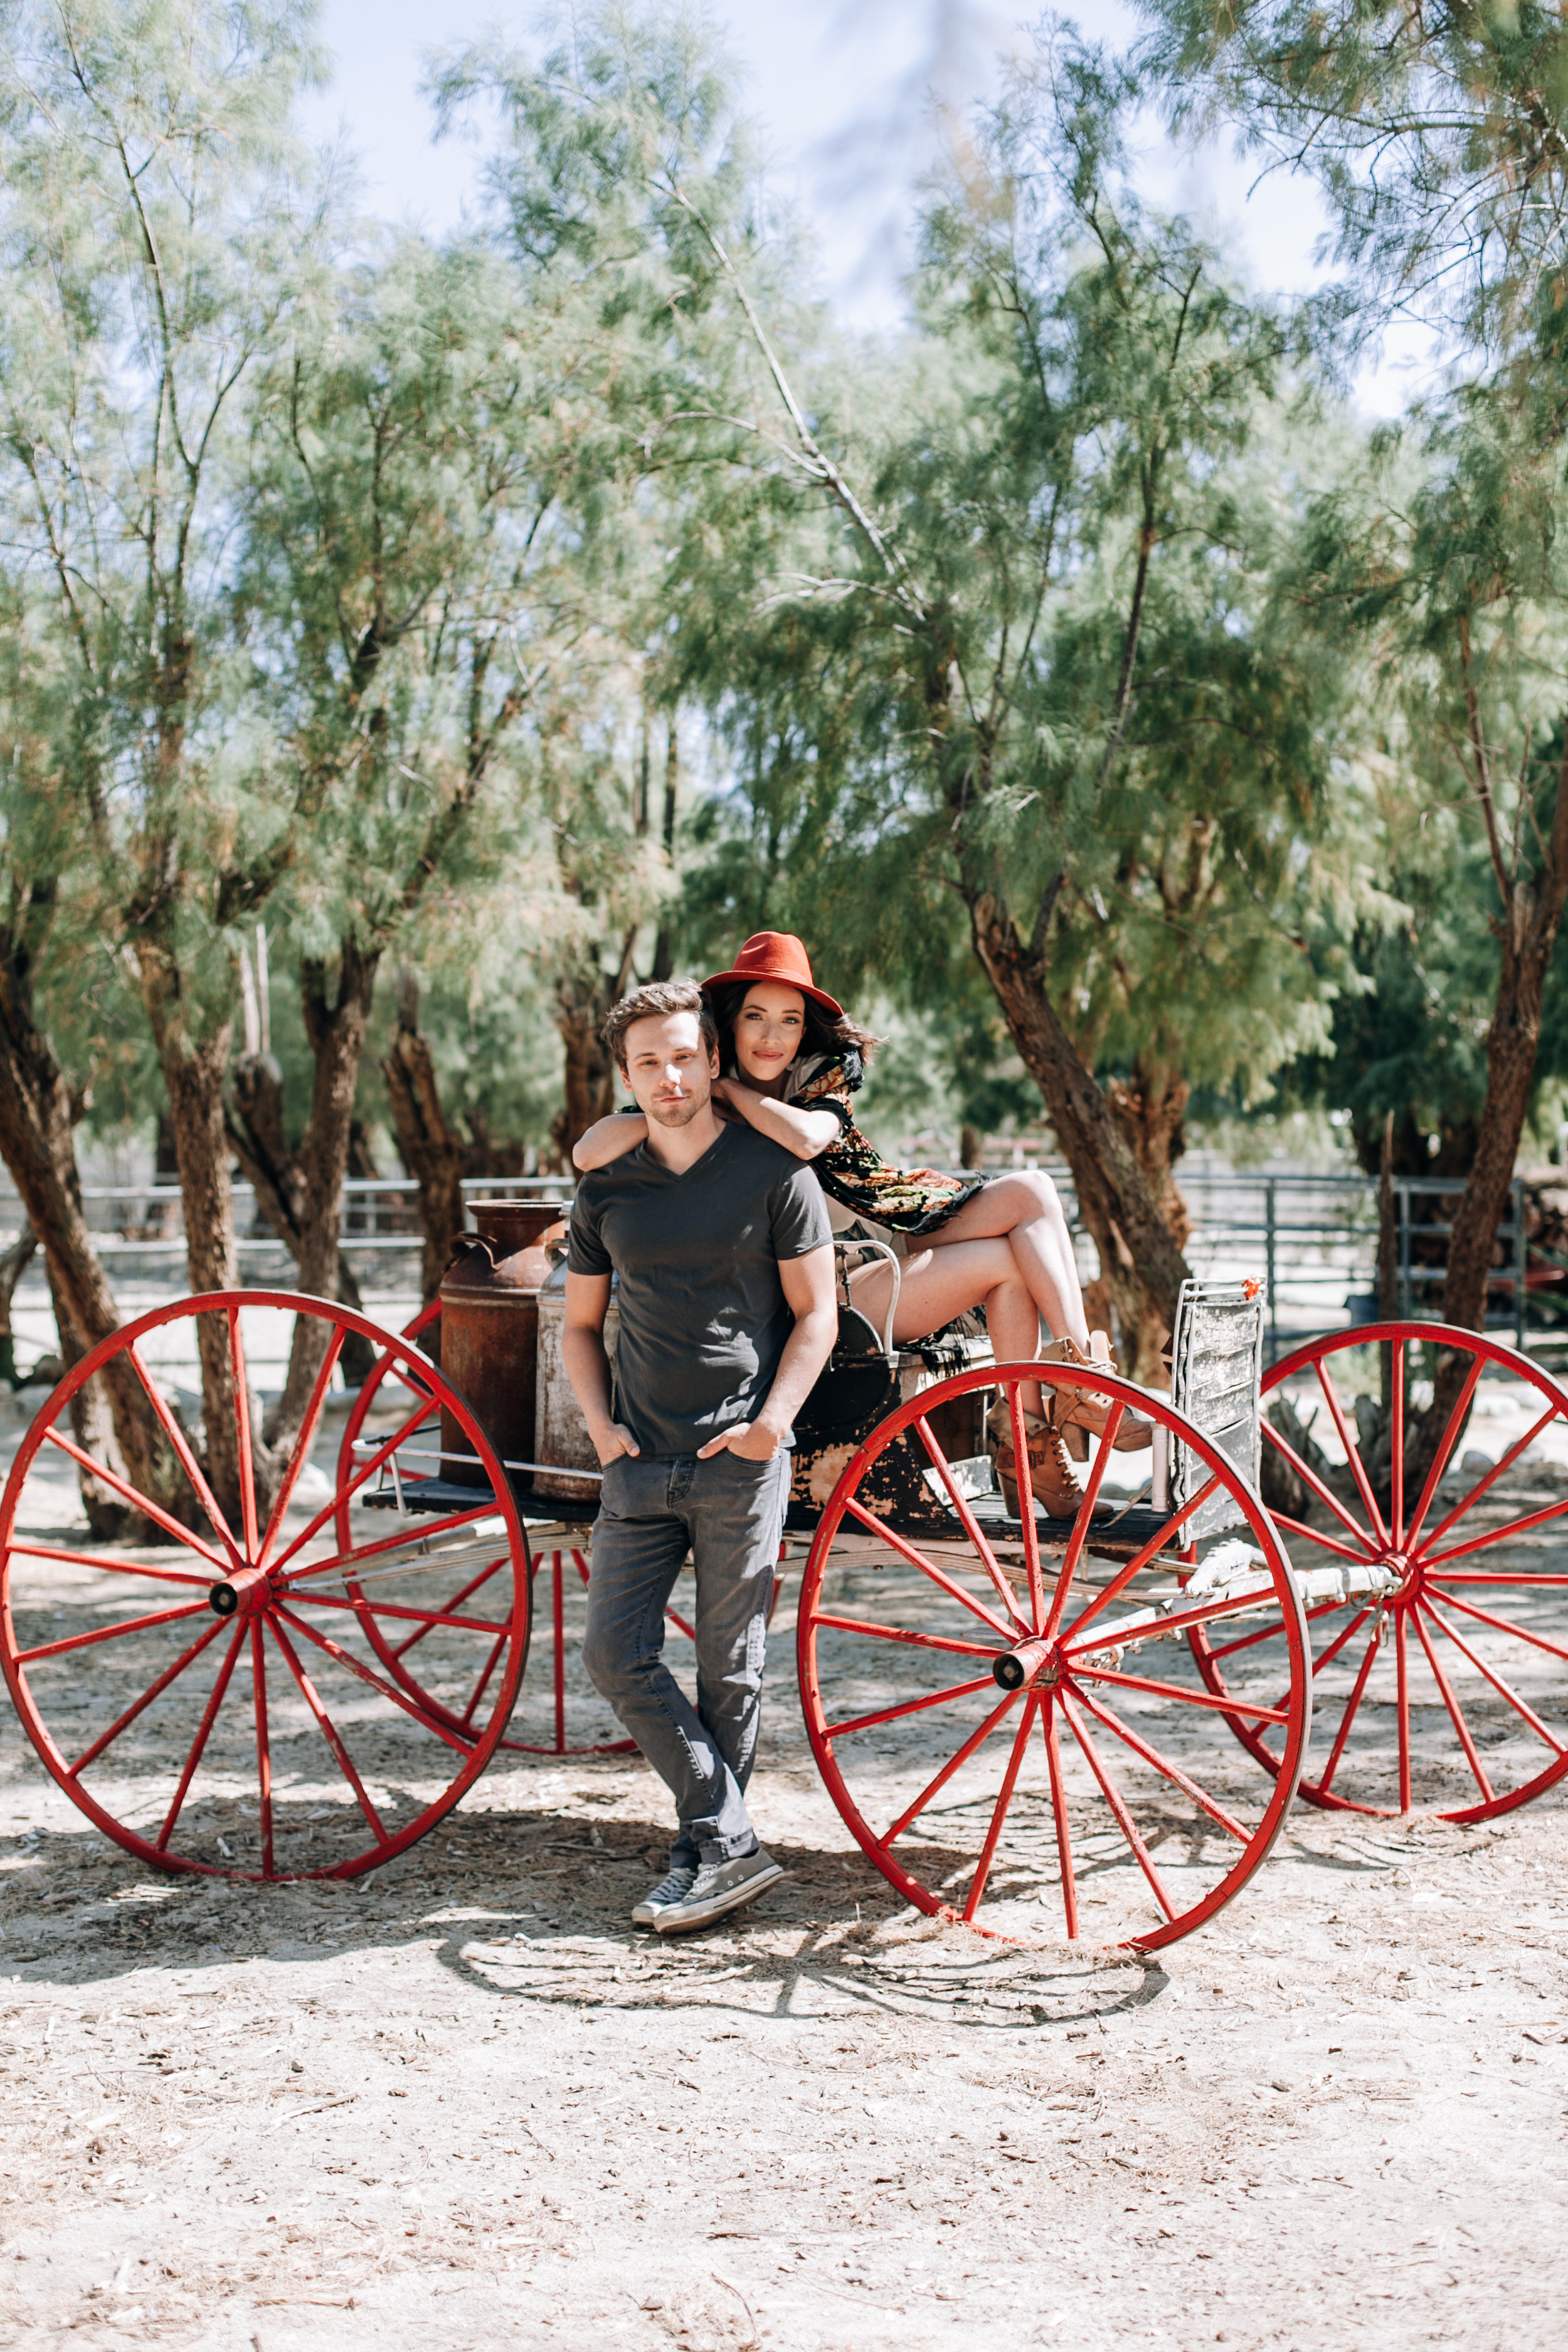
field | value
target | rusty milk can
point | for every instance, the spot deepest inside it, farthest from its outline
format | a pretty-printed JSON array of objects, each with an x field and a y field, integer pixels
[
  {"x": 561, "y": 1434},
  {"x": 490, "y": 1329}
]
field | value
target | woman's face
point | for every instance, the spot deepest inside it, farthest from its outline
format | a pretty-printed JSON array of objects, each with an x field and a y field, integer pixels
[{"x": 768, "y": 1027}]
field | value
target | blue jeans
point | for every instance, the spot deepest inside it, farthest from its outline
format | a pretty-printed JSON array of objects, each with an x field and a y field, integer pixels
[{"x": 728, "y": 1514}]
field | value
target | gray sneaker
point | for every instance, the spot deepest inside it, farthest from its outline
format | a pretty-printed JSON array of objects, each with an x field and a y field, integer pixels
[
  {"x": 718, "y": 1888},
  {"x": 672, "y": 1889}
]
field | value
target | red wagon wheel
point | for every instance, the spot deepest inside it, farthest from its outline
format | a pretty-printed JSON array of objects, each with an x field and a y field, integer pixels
[
  {"x": 207, "y": 1687},
  {"x": 1439, "y": 1640},
  {"x": 984, "y": 1709}
]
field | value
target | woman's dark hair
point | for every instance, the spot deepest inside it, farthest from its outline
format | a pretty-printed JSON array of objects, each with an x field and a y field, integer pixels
[{"x": 820, "y": 1033}]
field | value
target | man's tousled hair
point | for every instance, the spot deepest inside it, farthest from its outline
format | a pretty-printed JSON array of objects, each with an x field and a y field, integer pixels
[{"x": 656, "y": 1003}]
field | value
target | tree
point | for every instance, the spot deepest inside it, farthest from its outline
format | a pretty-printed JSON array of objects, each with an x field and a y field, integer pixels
[
  {"x": 156, "y": 233},
  {"x": 1022, "y": 652},
  {"x": 1439, "y": 138}
]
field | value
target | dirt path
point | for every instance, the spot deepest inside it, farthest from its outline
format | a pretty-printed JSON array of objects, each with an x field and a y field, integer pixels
[{"x": 465, "y": 2102}]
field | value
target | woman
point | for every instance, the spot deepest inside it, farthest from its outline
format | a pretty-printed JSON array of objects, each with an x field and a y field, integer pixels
[{"x": 790, "y": 1060}]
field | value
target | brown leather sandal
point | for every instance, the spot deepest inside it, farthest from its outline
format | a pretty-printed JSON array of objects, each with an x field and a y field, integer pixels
[
  {"x": 1051, "y": 1479},
  {"x": 1077, "y": 1410}
]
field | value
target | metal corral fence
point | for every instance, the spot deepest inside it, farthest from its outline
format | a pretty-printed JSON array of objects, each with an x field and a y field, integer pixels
[{"x": 1311, "y": 1239}]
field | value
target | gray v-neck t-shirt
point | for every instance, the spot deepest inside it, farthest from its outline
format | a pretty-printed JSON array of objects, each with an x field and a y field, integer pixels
[{"x": 702, "y": 1311}]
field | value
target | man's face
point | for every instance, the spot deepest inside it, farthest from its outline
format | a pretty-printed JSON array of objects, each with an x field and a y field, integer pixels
[{"x": 668, "y": 1068}]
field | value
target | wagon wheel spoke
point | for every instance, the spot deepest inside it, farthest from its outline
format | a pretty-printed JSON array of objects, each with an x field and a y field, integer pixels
[
  {"x": 1246, "y": 1707},
  {"x": 1156, "y": 1544},
  {"x": 247, "y": 1478},
  {"x": 1504, "y": 1689},
  {"x": 875, "y": 1633},
  {"x": 1275, "y": 1632},
  {"x": 263, "y": 1744},
  {"x": 303, "y": 1444},
  {"x": 999, "y": 1811},
  {"x": 927, "y": 1567},
  {"x": 967, "y": 1521},
  {"x": 1397, "y": 1440},
  {"x": 456, "y": 1601},
  {"x": 1352, "y": 1707},
  {"x": 1434, "y": 1561},
  {"x": 1117, "y": 1804},
  {"x": 1083, "y": 1521},
  {"x": 138, "y": 1501},
  {"x": 1317, "y": 1535},
  {"x": 1445, "y": 1444},
  {"x": 482, "y": 1685},
  {"x": 1059, "y": 1815},
  {"x": 405, "y": 1611},
  {"x": 110, "y": 1633},
  {"x": 400, "y": 1436},
  {"x": 329, "y": 1732},
  {"x": 1498, "y": 1624},
  {"x": 202, "y": 1733},
  {"x": 933, "y": 1788},
  {"x": 110, "y": 1564},
  {"x": 1402, "y": 1702},
  {"x": 1353, "y": 1452},
  {"x": 1031, "y": 1534},
  {"x": 1365, "y": 1540},
  {"x": 1499, "y": 1470},
  {"x": 400, "y": 1699},
  {"x": 1162, "y": 1764},
  {"x": 1455, "y": 1713},
  {"x": 154, "y": 1690},
  {"x": 183, "y": 1455},
  {"x": 906, "y": 1706}
]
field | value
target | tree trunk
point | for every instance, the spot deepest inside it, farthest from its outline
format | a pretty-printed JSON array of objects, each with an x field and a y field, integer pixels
[
  {"x": 272, "y": 1168},
  {"x": 194, "y": 1058},
  {"x": 431, "y": 1152},
  {"x": 39, "y": 1151},
  {"x": 1150, "y": 1107},
  {"x": 1512, "y": 1041},
  {"x": 582, "y": 1003},
  {"x": 13, "y": 1264},
  {"x": 336, "y": 1026},
  {"x": 1140, "y": 1257}
]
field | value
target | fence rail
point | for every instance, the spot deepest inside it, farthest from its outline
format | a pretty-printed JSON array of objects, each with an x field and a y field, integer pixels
[{"x": 1312, "y": 1240}]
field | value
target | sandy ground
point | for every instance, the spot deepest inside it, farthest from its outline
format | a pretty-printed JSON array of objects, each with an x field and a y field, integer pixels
[{"x": 466, "y": 2101}]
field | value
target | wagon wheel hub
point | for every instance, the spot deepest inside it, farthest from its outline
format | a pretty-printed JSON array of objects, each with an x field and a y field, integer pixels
[
  {"x": 1039, "y": 1662},
  {"x": 247, "y": 1591}
]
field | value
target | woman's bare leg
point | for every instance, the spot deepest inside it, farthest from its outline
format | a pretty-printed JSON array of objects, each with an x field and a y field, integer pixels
[
  {"x": 1024, "y": 1207},
  {"x": 938, "y": 1284}
]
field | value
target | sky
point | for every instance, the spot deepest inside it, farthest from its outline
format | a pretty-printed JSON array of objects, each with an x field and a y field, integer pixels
[{"x": 843, "y": 91}]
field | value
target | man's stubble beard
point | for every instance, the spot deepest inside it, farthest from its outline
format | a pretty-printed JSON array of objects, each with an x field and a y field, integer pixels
[{"x": 678, "y": 1114}]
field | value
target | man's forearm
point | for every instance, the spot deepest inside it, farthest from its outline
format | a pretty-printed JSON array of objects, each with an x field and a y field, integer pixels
[
  {"x": 588, "y": 1370},
  {"x": 806, "y": 1350}
]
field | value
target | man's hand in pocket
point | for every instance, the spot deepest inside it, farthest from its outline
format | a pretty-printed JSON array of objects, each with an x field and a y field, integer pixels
[
  {"x": 611, "y": 1442},
  {"x": 753, "y": 1441}
]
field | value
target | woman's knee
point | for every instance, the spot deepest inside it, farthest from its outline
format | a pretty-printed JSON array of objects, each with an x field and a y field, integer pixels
[{"x": 1030, "y": 1193}]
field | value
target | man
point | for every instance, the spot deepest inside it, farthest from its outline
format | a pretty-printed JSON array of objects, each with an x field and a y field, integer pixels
[{"x": 718, "y": 1238}]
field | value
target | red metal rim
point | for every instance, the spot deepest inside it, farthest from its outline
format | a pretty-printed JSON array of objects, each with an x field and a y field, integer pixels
[
  {"x": 1417, "y": 1685},
  {"x": 261, "y": 1680},
  {"x": 1057, "y": 1821}
]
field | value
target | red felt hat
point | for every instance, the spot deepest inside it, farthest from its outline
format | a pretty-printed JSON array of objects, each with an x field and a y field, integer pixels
[{"x": 777, "y": 955}]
